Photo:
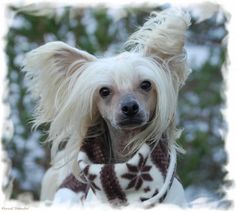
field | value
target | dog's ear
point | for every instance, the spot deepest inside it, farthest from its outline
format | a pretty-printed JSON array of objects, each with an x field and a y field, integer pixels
[
  {"x": 162, "y": 37},
  {"x": 49, "y": 70}
]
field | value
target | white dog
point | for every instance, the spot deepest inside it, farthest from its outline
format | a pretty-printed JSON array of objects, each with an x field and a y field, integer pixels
[{"x": 112, "y": 120}]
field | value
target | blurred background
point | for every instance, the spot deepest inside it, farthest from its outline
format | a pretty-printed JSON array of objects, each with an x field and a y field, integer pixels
[{"x": 102, "y": 31}]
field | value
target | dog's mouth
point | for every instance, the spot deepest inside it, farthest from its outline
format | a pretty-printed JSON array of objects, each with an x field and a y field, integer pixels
[{"x": 131, "y": 123}]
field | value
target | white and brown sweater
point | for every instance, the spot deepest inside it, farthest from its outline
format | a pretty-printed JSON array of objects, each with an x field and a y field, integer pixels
[{"x": 145, "y": 179}]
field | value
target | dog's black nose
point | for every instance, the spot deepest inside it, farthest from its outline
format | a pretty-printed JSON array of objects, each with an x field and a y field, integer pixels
[{"x": 130, "y": 108}]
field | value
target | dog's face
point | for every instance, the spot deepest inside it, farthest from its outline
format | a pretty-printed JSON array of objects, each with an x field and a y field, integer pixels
[
  {"x": 128, "y": 108},
  {"x": 127, "y": 97}
]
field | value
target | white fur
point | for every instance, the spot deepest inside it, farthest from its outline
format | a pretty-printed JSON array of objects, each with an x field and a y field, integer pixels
[
  {"x": 163, "y": 32},
  {"x": 65, "y": 81}
]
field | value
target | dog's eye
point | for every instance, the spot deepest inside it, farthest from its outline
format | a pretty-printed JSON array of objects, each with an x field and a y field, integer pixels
[
  {"x": 104, "y": 92},
  {"x": 146, "y": 85}
]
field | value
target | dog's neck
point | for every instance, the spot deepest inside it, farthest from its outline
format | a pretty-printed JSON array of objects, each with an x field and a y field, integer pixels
[{"x": 118, "y": 140}]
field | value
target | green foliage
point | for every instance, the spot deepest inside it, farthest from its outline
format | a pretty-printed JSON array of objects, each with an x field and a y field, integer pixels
[{"x": 97, "y": 31}]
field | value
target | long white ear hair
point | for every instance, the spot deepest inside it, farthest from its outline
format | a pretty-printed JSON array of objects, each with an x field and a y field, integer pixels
[
  {"x": 162, "y": 37},
  {"x": 49, "y": 70},
  {"x": 52, "y": 71}
]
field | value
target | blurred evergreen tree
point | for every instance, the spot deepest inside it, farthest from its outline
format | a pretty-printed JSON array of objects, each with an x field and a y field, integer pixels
[{"x": 100, "y": 32}]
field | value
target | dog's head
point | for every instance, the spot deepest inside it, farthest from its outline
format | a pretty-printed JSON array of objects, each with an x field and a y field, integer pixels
[{"x": 135, "y": 89}]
